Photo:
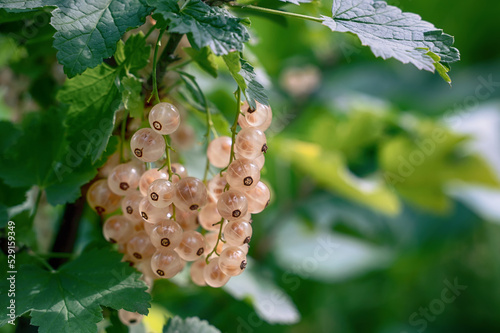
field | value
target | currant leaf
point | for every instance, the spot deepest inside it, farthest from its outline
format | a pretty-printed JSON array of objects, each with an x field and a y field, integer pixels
[
  {"x": 69, "y": 300},
  {"x": 390, "y": 33},
  {"x": 204, "y": 25},
  {"x": 134, "y": 54},
  {"x": 188, "y": 325},
  {"x": 244, "y": 75},
  {"x": 87, "y": 31},
  {"x": 204, "y": 58}
]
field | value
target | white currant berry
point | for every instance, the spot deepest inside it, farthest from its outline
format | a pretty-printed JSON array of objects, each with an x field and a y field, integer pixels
[
  {"x": 139, "y": 246},
  {"x": 237, "y": 233},
  {"x": 190, "y": 194},
  {"x": 161, "y": 193},
  {"x": 184, "y": 138},
  {"x": 258, "y": 198},
  {"x": 211, "y": 239},
  {"x": 101, "y": 199},
  {"x": 150, "y": 176},
  {"x": 232, "y": 205},
  {"x": 250, "y": 143},
  {"x": 254, "y": 117},
  {"x": 216, "y": 185},
  {"x": 150, "y": 213},
  {"x": 192, "y": 246},
  {"x": 129, "y": 318},
  {"x": 259, "y": 161},
  {"x": 130, "y": 207},
  {"x": 164, "y": 118},
  {"x": 213, "y": 275},
  {"x": 208, "y": 216},
  {"x": 187, "y": 220},
  {"x": 166, "y": 234},
  {"x": 219, "y": 151},
  {"x": 179, "y": 172},
  {"x": 196, "y": 272},
  {"x": 243, "y": 122},
  {"x": 147, "y": 145},
  {"x": 124, "y": 178},
  {"x": 243, "y": 175},
  {"x": 166, "y": 263},
  {"x": 232, "y": 261},
  {"x": 117, "y": 229}
]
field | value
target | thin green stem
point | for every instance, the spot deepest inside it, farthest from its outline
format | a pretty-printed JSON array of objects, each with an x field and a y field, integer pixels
[
  {"x": 41, "y": 260},
  {"x": 37, "y": 204},
  {"x": 122, "y": 134},
  {"x": 150, "y": 31},
  {"x": 178, "y": 66},
  {"x": 155, "y": 57},
  {"x": 235, "y": 123},
  {"x": 219, "y": 238},
  {"x": 277, "y": 12}
]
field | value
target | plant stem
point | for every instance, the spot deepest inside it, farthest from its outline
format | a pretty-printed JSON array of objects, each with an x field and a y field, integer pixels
[
  {"x": 122, "y": 134},
  {"x": 42, "y": 261},
  {"x": 37, "y": 203},
  {"x": 150, "y": 31},
  {"x": 277, "y": 12},
  {"x": 235, "y": 123},
  {"x": 155, "y": 77},
  {"x": 182, "y": 64},
  {"x": 221, "y": 224}
]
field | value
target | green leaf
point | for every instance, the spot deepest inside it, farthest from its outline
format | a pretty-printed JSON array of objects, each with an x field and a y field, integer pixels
[
  {"x": 390, "y": 33},
  {"x": 329, "y": 169},
  {"x": 131, "y": 90},
  {"x": 87, "y": 31},
  {"x": 204, "y": 58},
  {"x": 69, "y": 300},
  {"x": 297, "y": 2},
  {"x": 93, "y": 98},
  {"x": 188, "y": 325},
  {"x": 134, "y": 54},
  {"x": 10, "y": 197},
  {"x": 204, "y": 25},
  {"x": 245, "y": 77}
]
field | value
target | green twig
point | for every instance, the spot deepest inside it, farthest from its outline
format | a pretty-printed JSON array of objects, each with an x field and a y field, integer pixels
[
  {"x": 122, "y": 134},
  {"x": 155, "y": 79},
  {"x": 219, "y": 238}
]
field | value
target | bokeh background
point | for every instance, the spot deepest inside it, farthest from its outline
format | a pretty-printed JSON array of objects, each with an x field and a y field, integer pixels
[{"x": 386, "y": 181}]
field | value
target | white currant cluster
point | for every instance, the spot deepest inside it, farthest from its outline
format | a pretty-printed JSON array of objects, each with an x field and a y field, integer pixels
[{"x": 164, "y": 208}]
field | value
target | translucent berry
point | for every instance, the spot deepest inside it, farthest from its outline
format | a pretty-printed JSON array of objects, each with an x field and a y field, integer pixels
[
  {"x": 237, "y": 233},
  {"x": 147, "y": 227},
  {"x": 219, "y": 151},
  {"x": 166, "y": 234},
  {"x": 129, "y": 318},
  {"x": 184, "y": 138},
  {"x": 196, "y": 272},
  {"x": 147, "y": 145},
  {"x": 110, "y": 164},
  {"x": 258, "y": 198},
  {"x": 216, "y": 185},
  {"x": 243, "y": 175},
  {"x": 101, "y": 199},
  {"x": 254, "y": 117},
  {"x": 164, "y": 118},
  {"x": 244, "y": 122},
  {"x": 179, "y": 171},
  {"x": 117, "y": 229},
  {"x": 192, "y": 246},
  {"x": 260, "y": 161},
  {"x": 208, "y": 216},
  {"x": 190, "y": 194},
  {"x": 213, "y": 275},
  {"x": 150, "y": 176},
  {"x": 250, "y": 143},
  {"x": 139, "y": 246},
  {"x": 150, "y": 213},
  {"x": 124, "y": 178},
  {"x": 232, "y": 205},
  {"x": 161, "y": 193},
  {"x": 166, "y": 263},
  {"x": 232, "y": 261},
  {"x": 130, "y": 206},
  {"x": 187, "y": 220}
]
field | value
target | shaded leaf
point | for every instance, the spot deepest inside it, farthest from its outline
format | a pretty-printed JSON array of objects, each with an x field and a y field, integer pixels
[
  {"x": 188, "y": 325},
  {"x": 204, "y": 58}
]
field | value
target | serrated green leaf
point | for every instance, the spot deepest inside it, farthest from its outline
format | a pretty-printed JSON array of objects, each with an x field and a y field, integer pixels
[
  {"x": 131, "y": 90},
  {"x": 93, "y": 98},
  {"x": 133, "y": 54},
  {"x": 188, "y": 325},
  {"x": 204, "y": 58},
  {"x": 204, "y": 25},
  {"x": 390, "y": 33},
  {"x": 87, "y": 31},
  {"x": 69, "y": 300},
  {"x": 245, "y": 77},
  {"x": 10, "y": 197}
]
